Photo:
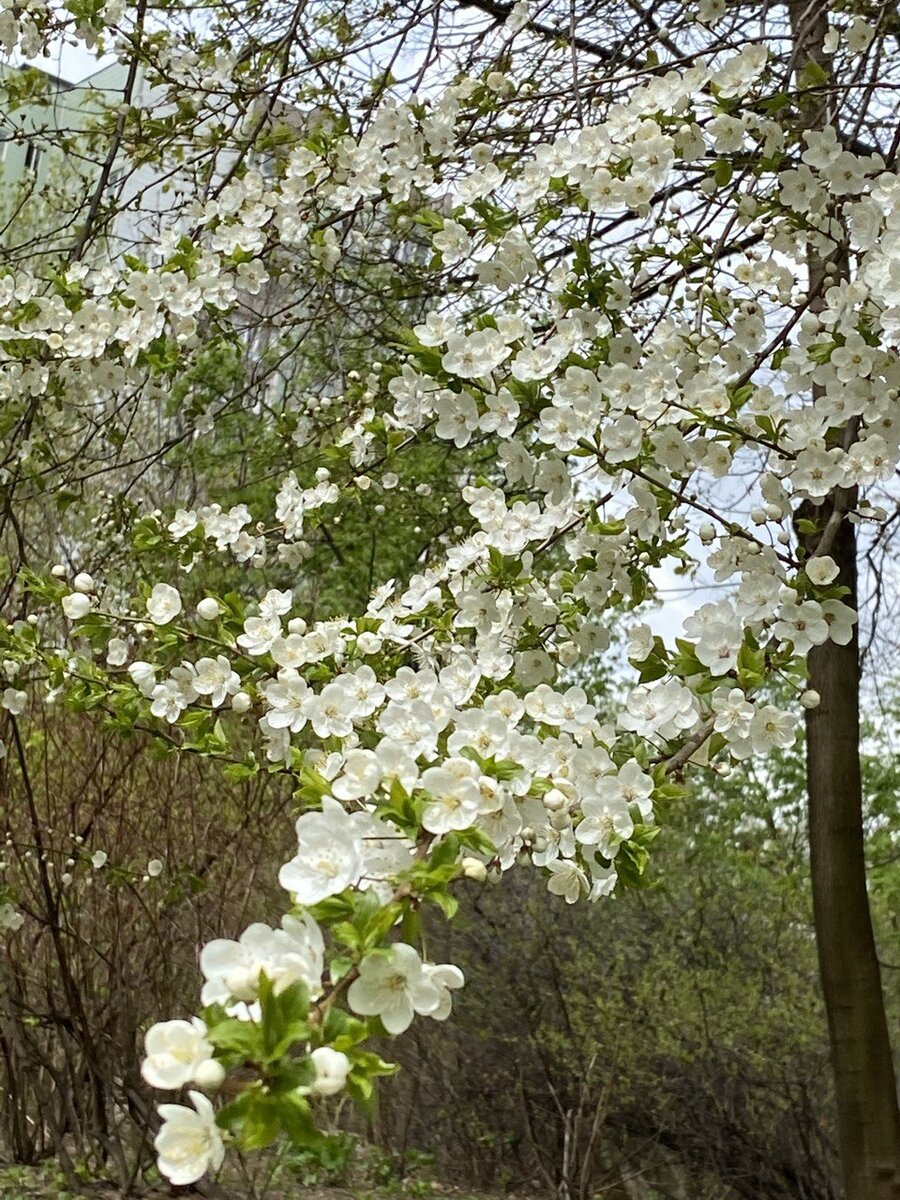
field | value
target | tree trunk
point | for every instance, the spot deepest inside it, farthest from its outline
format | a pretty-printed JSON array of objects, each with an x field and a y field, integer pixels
[{"x": 865, "y": 1083}]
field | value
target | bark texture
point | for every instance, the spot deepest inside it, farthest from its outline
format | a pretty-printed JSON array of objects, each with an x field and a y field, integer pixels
[{"x": 865, "y": 1082}]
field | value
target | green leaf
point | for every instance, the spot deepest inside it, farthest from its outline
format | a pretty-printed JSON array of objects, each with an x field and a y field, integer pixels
[
  {"x": 232, "y": 1116},
  {"x": 240, "y": 771},
  {"x": 239, "y": 1041},
  {"x": 331, "y": 909},
  {"x": 292, "y": 1074},
  {"x": 296, "y": 1120},
  {"x": 343, "y": 1031},
  {"x": 813, "y": 75},
  {"x": 631, "y": 863},
  {"x": 445, "y": 852},
  {"x": 686, "y": 662},
  {"x": 478, "y": 840},
  {"x": 283, "y": 1017},
  {"x": 449, "y": 904},
  {"x": 751, "y": 667},
  {"x": 411, "y": 925},
  {"x": 653, "y": 667},
  {"x": 261, "y": 1123}
]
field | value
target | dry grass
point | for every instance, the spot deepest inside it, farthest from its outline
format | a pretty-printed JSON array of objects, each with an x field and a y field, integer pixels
[{"x": 45, "y": 1183}]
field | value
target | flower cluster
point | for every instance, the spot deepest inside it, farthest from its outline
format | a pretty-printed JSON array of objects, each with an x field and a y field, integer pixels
[{"x": 446, "y": 732}]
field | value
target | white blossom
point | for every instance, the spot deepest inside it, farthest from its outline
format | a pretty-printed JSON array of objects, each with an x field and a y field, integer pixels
[
  {"x": 188, "y": 1143},
  {"x": 174, "y": 1053},
  {"x": 163, "y": 604},
  {"x": 393, "y": 985}
]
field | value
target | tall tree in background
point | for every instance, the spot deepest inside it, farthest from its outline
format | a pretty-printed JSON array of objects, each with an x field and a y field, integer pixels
[
  {"x": 865, "y": 1078},
  {"x": 661, "y": 249}
]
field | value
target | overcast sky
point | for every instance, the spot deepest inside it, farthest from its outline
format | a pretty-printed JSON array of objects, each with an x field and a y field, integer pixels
[{"x": 72, "y": 63}]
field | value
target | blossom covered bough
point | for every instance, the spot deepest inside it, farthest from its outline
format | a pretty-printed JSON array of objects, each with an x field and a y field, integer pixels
[{"x": 440, "y": 736}]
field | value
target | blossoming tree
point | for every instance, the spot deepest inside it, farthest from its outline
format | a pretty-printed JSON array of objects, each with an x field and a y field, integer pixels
[{"x": 660, "y": 252}]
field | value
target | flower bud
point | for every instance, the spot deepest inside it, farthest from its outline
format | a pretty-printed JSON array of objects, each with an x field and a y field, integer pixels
[
  {"x": 332, "y": 1067},
  {"x": 208, "y": 609},
  {"x": 76, "y": 605},
  {"x": 554, "y": 800},
  {"x": 474, "y": 868},
  {"x": 210, "y": 1075}
]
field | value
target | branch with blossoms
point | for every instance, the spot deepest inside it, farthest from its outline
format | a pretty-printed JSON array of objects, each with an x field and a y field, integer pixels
[
  {"x": 439, "y": 734},
  {"x": 511, "y": 777}
]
